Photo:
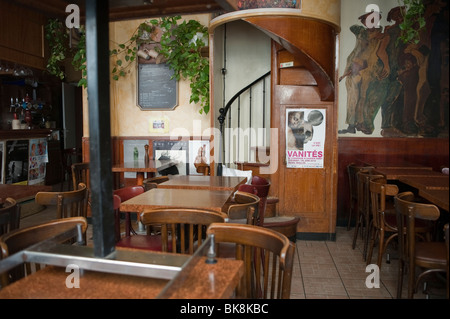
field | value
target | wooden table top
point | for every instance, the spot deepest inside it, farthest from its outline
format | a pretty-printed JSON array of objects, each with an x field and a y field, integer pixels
[
  {"x": 426, "y": 182},
  {"x": 396, "y": 173},
  {"x": 229, "y": 183},
  {"x": 152, "y": 166},
  {"x": 177, "y": 198},
  {"x": 395, "y": 165},
  {"x": 439, "y": 197},
  {"x": 197, "y": 280},
  {"x": 22, "y": 193}
]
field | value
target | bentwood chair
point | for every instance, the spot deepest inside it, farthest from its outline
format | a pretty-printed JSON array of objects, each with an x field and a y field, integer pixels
[
  {"x": 363, "y": 207},
  {"x": 182, "y": 229},
  {"x": 9, "y": 216},
  {"x": 352, "y": 169},
  {"x": 125, "y": 193},
  {"x": 428, "y": 256},
  {"x": 383, "y": 216},
  {"x": 22, "y": 238},
  {"x": 80, "y": 174},
  {"x": 286, "y": 225},
  {"x": 268, "y": 259},
  {"x": 68, "y": 204},
  {"x": 68, "y": 157},
  {"x": 244, "y": 209}
]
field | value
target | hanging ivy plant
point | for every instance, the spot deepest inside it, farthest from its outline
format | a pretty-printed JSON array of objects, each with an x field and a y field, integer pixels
[
  {"x": 179, "y": 45},
  {"x": 58, "y": 40},
  {"x": 413, "y": 21}
]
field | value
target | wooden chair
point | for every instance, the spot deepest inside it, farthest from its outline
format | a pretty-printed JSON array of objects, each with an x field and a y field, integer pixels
[
  {"x": 20, "y": 239},
  {"x": 69, "y": 156},
  {"x": 363, "y": 207},
  {"x": 124, "y": 194},
  {"x": 259, "y": 187},
  {"x": 429, "y": 256},
  {"x": 182, "y": 229},
  {"x": 383, "y": 217},
  {"x": 287, "y": 225},
  {"x": 68, "y": 204},
  {"x": 352, "y": 169},
  {"x": 9, "y": 216},
  {"x": 80, "y": 174},
  {"x": 244, "y": 209},
  {"x": 268, "y": 259}
]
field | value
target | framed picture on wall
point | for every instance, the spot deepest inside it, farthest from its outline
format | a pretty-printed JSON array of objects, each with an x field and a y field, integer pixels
[{"x": 174, "y": 150}]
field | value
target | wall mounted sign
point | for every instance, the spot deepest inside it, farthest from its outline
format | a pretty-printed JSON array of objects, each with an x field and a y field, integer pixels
[{"x": 305, "y": 138}]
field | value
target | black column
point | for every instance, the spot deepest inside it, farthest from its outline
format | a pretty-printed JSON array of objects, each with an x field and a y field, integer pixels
[{"x": 97, "y": 56}]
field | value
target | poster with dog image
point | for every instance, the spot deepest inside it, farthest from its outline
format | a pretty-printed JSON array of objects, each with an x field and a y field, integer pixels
[{"x": 305, "y": 138}]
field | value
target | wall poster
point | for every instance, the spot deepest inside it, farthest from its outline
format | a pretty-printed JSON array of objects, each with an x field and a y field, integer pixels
[
  {"x": 16, "y": 162},
  {"x": 305, "y": 138},
  {"x": 38, "y": 157}
]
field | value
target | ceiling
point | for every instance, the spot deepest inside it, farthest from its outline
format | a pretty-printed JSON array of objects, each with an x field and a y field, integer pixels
[{"x": 134, "y": 9}]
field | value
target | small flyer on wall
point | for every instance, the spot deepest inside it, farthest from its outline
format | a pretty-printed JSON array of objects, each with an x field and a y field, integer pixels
[
  {"x": 305, "y": 138},
  {"x": 38, "y": 157}
]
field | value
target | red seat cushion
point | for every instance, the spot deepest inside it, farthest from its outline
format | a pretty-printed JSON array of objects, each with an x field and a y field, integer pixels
[{"x": 147, "y": 242}]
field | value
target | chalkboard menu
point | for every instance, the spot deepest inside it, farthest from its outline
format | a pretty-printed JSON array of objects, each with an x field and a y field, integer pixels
[{"x": 156, "y": 89}]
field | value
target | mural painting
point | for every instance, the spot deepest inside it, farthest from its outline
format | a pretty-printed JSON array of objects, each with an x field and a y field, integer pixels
[{"x": 407, "y": 83}]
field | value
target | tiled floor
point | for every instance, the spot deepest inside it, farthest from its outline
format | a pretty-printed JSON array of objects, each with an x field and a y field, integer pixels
[{"x": 326, "y": 269}]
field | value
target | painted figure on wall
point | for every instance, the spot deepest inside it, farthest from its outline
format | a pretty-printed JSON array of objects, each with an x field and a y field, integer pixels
[{"x": 405, "y": 81}]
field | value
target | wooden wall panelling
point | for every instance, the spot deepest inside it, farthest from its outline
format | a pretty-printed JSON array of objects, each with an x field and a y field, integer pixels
[{"x": 21, "y": 35}]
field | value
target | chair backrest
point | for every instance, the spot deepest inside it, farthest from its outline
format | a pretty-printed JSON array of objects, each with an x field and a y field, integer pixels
[
  {"x": 125, "y": 193},
  {"x": 268, "y": 259},
  {"x": 408, "y": 212},
  {"x": 362, "y": 190},
  {"x": 246, "y": 208},
  {"x": 80, "y": 174},
  {"x": 260, "y": 187},
  {"x": 9, "y": 215},
  {"x": 182, "y": 226},
  {"x": 352, "y": 170},
  {"x": 20, "y": 239},
  {"x": 380, "y": 191},
  {"x": 68, "y": 204}
]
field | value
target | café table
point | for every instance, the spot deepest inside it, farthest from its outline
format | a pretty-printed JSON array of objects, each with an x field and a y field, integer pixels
[
  {"x": 225, "y": 183},
  {"x": 177, "y": 198},
  {"x": 396, "y": 173},
  {"x": 395, "y": 165},
  {"x": 193, "y": 279},
  {"x": 141, "y": 167},
  {"x": 22, "y": 193},
  {"x": 439, "y": 197},
  {"x": 439, "y": 182}
]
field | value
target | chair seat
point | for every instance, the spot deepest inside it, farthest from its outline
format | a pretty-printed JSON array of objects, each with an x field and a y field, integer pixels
[
  {"x": 286, "y": 225},
  {"x": 146, "y": 242},
  {"x": 434, "y": 253}
]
